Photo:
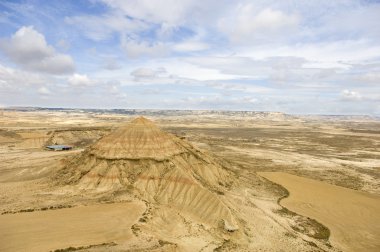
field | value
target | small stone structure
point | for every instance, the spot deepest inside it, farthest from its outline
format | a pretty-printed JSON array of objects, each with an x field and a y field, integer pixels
[{"x": 59, "y": 147}]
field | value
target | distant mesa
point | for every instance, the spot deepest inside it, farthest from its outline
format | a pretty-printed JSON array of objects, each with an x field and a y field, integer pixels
[{"x": 155, "y": 166}]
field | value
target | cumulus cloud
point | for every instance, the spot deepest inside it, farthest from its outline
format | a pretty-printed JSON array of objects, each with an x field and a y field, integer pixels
[
  {"x": 43, "y": 91},
  {"x": 147, "y": 73},
  {"x": 247, "y": 24},
  {"x": 220, "y": 53},
  {"x": 135, "y": 48},
  {"x": 350, "y": 95},
  {"x": 29, "y": 49},
  {"x": 16, "y": 79},
  {"x": 190, "y": 46},
  {"x": 275, "y": 68},
  {"x": 79, "y": 80},
  {"x": 139, "y": 18},
  {"x": 114, "y": 89},
  {"x": 371, "y": 77}
]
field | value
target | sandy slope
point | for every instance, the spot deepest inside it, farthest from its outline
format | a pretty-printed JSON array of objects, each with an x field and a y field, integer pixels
[
  {"x": 57, "y": 229},
  {"x": 187, "y": 192},
  {"x": 352, "y": 216},
  {"x": 155, "y": 166}
]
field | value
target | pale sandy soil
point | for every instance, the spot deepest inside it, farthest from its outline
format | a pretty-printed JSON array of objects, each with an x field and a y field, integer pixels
[
  {"x": 336, "y": 152},
  {"x": 353, "y": 217},
  {"x": 71, "y": 227}
]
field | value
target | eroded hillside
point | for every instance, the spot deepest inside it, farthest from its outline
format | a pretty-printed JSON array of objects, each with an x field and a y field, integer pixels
[{"x": 203, "y": 194}]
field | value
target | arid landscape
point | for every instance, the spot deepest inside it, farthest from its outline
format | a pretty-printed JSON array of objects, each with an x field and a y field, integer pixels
[
  {"x": 161, "y": 180},
  {"x": 189, "y": 126}
]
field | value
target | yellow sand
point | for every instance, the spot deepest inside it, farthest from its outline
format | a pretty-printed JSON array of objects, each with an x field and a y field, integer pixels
[
  {"x": 139, "y": 139},
  {"x": 57, "y": 229},
  {"x": 163, "y": 169},
  {"x": 353, "y": 217}
]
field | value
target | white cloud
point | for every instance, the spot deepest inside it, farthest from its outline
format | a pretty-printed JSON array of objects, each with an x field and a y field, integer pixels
[
  {"x": 189, "y": 46},
  {"x": 360, "y": 22},
  {"x": 29, "y": 49},
  {"x": 43, "y": 91},
  {"x": 276, "y": 68},
  {"x": 173, "y": 13},
  {"x": 370, "y": 77},
  {"x": 169, "y": 11},
  {"x": 113, "y": 88},
  {"x": 216, "y": 101},
  {"x": 147, "y": 73},
  {"x": 350, "y": 95},
  {"x": 245, "y": 88},
  {"x": 104, "y": 26},
  {"x": 135, "y": 48},
  {"x": 219, "y": 53},
  {"x": 246, "y": 24},
  {"x": 79, "y": 80},
  {"x": 16, "y": 79}
]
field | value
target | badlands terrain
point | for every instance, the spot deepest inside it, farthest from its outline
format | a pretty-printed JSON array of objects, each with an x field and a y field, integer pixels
[{"x": 188, "y": 181}]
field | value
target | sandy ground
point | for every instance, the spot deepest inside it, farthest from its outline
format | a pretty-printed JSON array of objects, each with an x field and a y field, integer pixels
[
  {"x": 353, "y": 217},
  {"x": 338, "y": 152},
  {"x": 72, "y": 227}
]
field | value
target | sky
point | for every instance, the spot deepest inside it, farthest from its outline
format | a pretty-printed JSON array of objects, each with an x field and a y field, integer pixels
[{"x": 298, "y": 57}]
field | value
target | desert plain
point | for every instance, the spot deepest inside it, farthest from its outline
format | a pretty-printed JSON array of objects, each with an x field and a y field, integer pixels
[{"x": 188, "y": 181}]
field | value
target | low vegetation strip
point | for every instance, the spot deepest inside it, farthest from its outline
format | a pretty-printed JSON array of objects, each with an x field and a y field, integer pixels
[
  {"x": 106, "y": 244},
  {"x": 28, "y": 210}
]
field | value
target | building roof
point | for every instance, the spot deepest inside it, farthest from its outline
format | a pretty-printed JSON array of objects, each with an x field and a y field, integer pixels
[{"x": 58, "y": 146}]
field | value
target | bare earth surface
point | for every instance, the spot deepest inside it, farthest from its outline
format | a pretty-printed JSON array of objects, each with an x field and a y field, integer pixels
[
  {"x": 353, "y": 217},
  {"x": 63, "y": 228},
  {"x": 170, "y": 204}
]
